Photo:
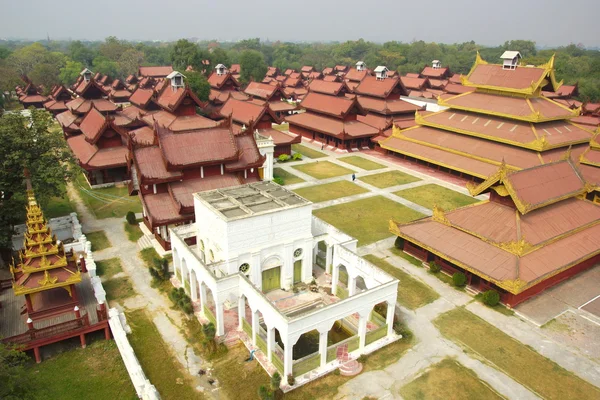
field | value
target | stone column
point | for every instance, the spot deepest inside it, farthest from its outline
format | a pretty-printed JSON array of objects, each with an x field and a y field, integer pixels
[
  {"x": 270, "y": 342},
  {"x": 241, "y": 312},
  {"x": 391, "y": 309},
  {"x": 193, "y": 286},
  {"x": 362, "y": 331},
  {"x": 254, "y": 327},
  {"x": 334, "y": 279},
  {"x": 351, "y": 286},
  {"x": 323, "y": 347},
  {"x": 202, "y": 296},
  {"x": 288, "y": 360},
  {"x": 328, "y": 258},
  {"x": 219, "y": 316}
]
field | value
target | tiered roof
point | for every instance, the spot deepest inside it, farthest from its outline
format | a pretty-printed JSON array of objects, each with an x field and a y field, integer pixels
[
  {"x": 42, "y": 264},
  {"x": 505, "y": 117},
  {"x": 535, "y": 226}
]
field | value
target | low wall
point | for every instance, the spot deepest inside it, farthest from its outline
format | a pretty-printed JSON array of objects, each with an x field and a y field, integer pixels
[{"x": 66, "y": 227}]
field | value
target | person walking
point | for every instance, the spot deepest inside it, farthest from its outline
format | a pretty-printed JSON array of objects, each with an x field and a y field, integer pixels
[{"x": 353, "y": 177}]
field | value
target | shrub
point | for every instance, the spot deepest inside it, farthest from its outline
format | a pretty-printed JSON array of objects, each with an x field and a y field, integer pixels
[
  {"x": 491, "y": 298},
  {"x": 434, "y": 267},
  {"x": 209, "y": 331},
  {"x": 399, "y": 243},
  {"x": 275, "y": 381},
  {"x": 160, "y": 269},
  {"x": 291, "y": 380},
  {"x": 297, "y": 156},
  {"x": 336, "y": 371},
  {"x": 459, "y": 279},
  {"x": 362, "y": 358},
  {"x": 130, "y": 217},
  {"x": 284, "y": 157},
  {"x": 278, "y": 180},
  {"x": 265, "y": 393},
  {"x": 181, "y": 300}
]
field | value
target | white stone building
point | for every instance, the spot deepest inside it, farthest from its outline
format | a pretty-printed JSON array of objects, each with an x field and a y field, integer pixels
[{"x": 255, "y": 269}]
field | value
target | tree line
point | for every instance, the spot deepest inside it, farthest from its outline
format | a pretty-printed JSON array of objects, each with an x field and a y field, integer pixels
[{"x": 59, "y": 62}]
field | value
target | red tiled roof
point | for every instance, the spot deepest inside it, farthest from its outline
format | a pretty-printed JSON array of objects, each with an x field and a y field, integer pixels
[
  {"x": 280, "y": 138},
  {"x": 68, "y": 120},
  {"x": 90, "y": 157},
  {"x": 243, "y": 112},
  {"x": 162, "y": 209},
  {"x": 92, "y": 125},
  {"x": 81, "y": 105},
  {"x": 496, "y": 76},
  {"x": 151, "y": 166},
  {"x": 155, "y": 72},
  {"x": 218, "y": 81},
  {"x": 235, "y": 68},
  {"x": 371, "y": 86},
  {"x": 279, "y": 106},
  {"x": 141, "y": 97},
  {"x": 431, "y": 72},
  {"x": 200, "y": 147},
  {"x": 249, "y": 156},
  {"x": 182, "y": 192},
  {"x": 355, "y": 75},
  {"x": 331, "y": 78},
  {"x": 307, "y": 68},
  {"x": 261, "y": 90},
  {"x": 143, "y": 136},
  {"x": 55, "y": 105},
  {"x": 332, "y": 126},
  {"x": 324, "y": 87},
  {"x": 387, "y": 107},
  {"x": 170, "y": 99},
  {"x": 331, "y": 105},
  {"x": 414, "y": 83},
  {"x": 455, "y": 88}
]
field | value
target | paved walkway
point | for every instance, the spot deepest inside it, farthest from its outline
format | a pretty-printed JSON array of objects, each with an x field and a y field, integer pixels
[
  {"x": 166, "y": 320},
  {"x": 431, "y": 347}
]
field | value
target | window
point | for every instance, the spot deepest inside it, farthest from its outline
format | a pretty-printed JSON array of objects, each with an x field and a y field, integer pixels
[{"x": 245, "y": 267}]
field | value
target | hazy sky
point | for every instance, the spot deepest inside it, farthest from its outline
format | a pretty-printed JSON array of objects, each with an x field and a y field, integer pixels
[{"x": 490, "y": 22}]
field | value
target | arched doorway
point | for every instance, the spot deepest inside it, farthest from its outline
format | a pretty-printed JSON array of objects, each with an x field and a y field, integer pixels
[{"x": 271, "y": 274}]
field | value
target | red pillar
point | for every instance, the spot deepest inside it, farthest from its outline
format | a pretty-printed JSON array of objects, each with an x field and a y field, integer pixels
[
  {"x": 107, "y": 333},
  {"x": 29, "y": 303},
  {"x": 82, "y": 339},
  {"x": 29, "y": 323},
  {"x": 38, "y": 357},
  {"x": 82, "y": 264},
  {"x": 77, "y": 312},
  {"x": 74, "y": 293}
]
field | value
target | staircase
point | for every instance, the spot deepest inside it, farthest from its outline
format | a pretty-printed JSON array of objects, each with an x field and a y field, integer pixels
[
  {"x": 351, "y": 368},
  {"x": 145, "y": 242}
]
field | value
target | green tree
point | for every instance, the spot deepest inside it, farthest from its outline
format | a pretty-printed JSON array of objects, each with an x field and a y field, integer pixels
[
  {"x": 15, "y": 382},
  {"x": 129, "y": 62},
  {"x": 198, "y": 84},
  {"x": 70, "y": 72},
  {"x": 26, "y": 58},
  {"x": 252, "y": 66},
  {"x": 113, "y": 48},
  {"x": 186, "y": 53},
  {"x": 30, "y": 144},
  {"x": 525, "y": 47},
  {"x": 80, "y": 53},
  {"x": 105, "y": 66}
]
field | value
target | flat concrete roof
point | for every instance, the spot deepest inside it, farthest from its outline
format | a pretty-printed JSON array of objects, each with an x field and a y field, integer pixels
[{"x": 250, "y": 199}]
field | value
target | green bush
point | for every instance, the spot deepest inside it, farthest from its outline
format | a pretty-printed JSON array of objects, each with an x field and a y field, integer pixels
[
  {"x": 181, "y": 300},
  {"x": 275, "y": 381},
  {"x": 284, "y": 157},
  {"x": 278, "y": 181},
  {"x": 459, "y": 279},
  {"x": 160, "y": 269},
  {"x": 291, "y": 380},
  {"x": 130, "y": 217},
  {"x": 297, "y": 156},
  {"x": 209, "y": 331},
  {"x": 362, "y": 358},
  {"x": 264, "y": 393},
  {"x": 491, "y": 298},
  {"x": 434, "y": 267}
]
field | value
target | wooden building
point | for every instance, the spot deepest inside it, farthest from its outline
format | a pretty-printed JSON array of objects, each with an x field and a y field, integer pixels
[
  {"x": 57, "y": 100},
  {"x": 534, "y": 232}
]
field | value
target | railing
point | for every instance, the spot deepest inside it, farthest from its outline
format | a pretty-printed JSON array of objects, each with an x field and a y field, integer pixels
[
  {"x": 376, "y": 334},
  {"x": 306, "y": 364},
  {"x": 353, "y": 343},
  {"x": 261, "y": 343},
  {"x": 210, "y": 315},
  {"x": 377, "y": 318},
  {"x": 277, "y": 361},
  {"x": 49, "y": 331}
]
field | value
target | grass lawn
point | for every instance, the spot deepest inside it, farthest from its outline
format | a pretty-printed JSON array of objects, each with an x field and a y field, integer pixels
[
  {"x": 109, "y": 268},
  {"x": 361, "y": 162},
  {"x": 330, "y": 191},
  {"x": 239, "y": 379},
  {"x": 76, "y": 374},
  {"x": 99, "y": 240},
  {"x": 534, "y": 371},
  {"x": 156, "y": 359},
  {"x": 323, "y": 169},
  {"x": 288, "y": 178},
  {"x": 501, "y": 308},
  {"x": 390, "y": 178},
  {"x": 367, "y": 219},
  {"x": 59, "y": 207},
  {"x": 282, "y": 127},
  {"x": 431, "y": 194},
  {"x": 107, "y": 202},
  {"x": 412, "y": 293},
  {"x": 414, "y": 261},
  {"x": 134, "y": 233},
  {"x": 327, "y": 386},
  {"x": 118, "y": 289},
  {"x": 448, "y": 380},
  {"x": 149, "y": 255},
  {"x": 307, "y": 151}
]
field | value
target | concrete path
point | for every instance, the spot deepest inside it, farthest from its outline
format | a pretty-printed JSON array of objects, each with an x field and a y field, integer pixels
[{"x": 166, "y": 320}]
